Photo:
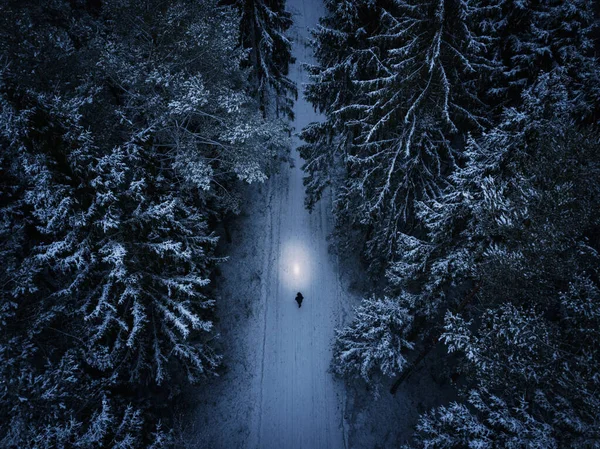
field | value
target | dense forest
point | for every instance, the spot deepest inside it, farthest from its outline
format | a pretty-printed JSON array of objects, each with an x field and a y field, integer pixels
[
  {"x": 126, "y": 130},
  {"x": 461, "y": 140}
]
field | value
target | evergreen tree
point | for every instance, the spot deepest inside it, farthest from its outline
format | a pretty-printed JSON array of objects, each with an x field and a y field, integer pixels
[
  {"x": 520, "y": 218},
  {"x": 263, "y": 28},
  {"x": 125, "y": 126},
  {"x": 540, "y": 36},
  {"x": 374, "y": 343},
  {"x": 415, "y": 72},
  {"x": 342, "y": 47},
  {"x": 461, "y": 138}
]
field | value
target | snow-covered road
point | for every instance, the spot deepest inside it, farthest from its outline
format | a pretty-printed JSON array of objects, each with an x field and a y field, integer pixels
[
  {"x": 299, "y": 403},
  {"x": 277, "y": 391}
]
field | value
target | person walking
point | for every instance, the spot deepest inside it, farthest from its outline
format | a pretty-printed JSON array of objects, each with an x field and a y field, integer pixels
[{"x": 299, "y": 299}]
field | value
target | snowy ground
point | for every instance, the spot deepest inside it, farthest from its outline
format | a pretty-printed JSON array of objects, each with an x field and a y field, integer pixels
[
  {"x": 277, "y": 391},
  {"x": 299, "y": 405}
]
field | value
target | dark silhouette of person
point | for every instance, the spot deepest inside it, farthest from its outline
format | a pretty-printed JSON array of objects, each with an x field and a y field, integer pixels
[{"x": 299, "y": 299}]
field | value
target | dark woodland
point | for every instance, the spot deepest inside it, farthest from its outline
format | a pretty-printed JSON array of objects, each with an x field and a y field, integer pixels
[{"x": 460, "y": 141}]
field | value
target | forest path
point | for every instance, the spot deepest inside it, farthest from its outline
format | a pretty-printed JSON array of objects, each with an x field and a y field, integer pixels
[
  {"x": 299, "y": 404},
  {"x": 276, "y": 391}
]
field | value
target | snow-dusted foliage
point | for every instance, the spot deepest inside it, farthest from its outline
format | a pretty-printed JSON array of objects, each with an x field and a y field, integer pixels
[
  {"x": 414, "y": 71},
  {"x": 376, "y": 341},
  {"x": 401, "y": 84},
  {"x": 483, "y": 224},
  {"x": 263, "y": 34},
  {"x": 540, "y": 36},
  {"x": 461, "y": 139},
  {"x": 521, "y": 215},
  {"x": 536, "y": 379},
  {"x": 487, "y": 422},
  {"x": 124, "y": 127}
]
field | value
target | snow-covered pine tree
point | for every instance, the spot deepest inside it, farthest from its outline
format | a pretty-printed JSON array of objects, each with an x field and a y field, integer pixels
[
  {"x": 533, "y": 379},
  {"x": 415, "y": 71},
  {"x": 49, "y": 396},
  {"x": 124, "y": 127},
  {"x": 453, "y": 219},
  {"x": 343, "y": 53},
  {"x": 508, "y": 253},
  {"x": 263, "y": 33},
  {"x": 470, "y": 222},
  {"x": 544, "y": 35},
  {"x": 521, "y": 213},
  {"x": 486, "y": 422}
]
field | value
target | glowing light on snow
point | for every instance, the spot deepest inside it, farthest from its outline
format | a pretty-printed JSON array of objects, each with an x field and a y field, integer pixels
[{"x": 295, "y": 266}]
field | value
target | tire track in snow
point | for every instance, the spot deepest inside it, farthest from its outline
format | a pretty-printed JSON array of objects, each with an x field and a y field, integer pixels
[
  {"x": 271, "y": 245},
  {"x": 266, "y": 271}
]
